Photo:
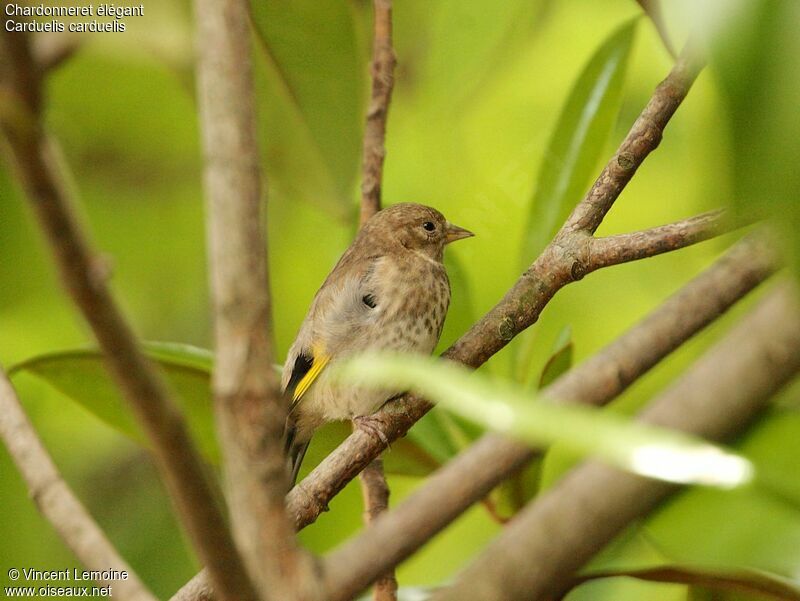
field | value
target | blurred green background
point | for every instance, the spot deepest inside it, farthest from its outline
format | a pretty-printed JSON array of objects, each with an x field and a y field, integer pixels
[{"x": 480, "y": 87}]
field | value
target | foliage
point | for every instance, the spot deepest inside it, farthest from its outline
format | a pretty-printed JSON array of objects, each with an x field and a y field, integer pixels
[{"x": 487, "y": 97}]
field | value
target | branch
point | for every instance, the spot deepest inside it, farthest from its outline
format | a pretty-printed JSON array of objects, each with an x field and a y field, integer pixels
[
  {"x": 614, "y": 250},
  {"x": 374, "y": 488},
  {"x": 558, "y": 265},
  {"x": 565, "y": 526},
  {"x": 197, "y": 589},
  {"x": 84, "y": 277},
  {"x": 383, "y": 62},
  {"x": 249, "y": 407},
  {"x": 471, "y": 475},
  {"x": 52, "y": 50},
  {"x": 57, "y": 502},
  {"x": 643, "y": 138},
  {"x": 375, "y": 491}
]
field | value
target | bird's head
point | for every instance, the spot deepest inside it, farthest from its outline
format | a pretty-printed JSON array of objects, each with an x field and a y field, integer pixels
[{"x": 416, "y": 227}]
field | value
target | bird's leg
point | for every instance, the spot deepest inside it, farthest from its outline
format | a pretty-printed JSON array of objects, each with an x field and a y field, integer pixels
[{"x": 371, "y": 424}]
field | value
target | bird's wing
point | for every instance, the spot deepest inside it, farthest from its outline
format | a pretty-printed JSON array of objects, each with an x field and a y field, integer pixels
[
  {"x": 334, "y": 309},
  {"x": 305, "y": 371}
]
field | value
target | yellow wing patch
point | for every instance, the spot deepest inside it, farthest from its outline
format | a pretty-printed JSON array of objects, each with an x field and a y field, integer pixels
[{"x": 320, "y": 361}]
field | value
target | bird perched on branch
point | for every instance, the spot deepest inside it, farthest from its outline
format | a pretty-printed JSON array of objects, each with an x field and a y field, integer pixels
[{"x": 388, "y": 292}]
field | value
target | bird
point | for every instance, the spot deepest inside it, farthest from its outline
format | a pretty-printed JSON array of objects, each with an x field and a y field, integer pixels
[{"x": 389, "y": 291}]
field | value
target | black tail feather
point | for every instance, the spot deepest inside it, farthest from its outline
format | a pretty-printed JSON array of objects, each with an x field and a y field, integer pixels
[
  {"x": 295, "y": 451},
  {"x": 296, "y": 454}
]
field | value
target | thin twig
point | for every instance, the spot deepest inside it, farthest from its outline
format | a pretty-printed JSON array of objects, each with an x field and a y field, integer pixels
[
  {"x": 374, "y": 149},
  {"x": 84, "y": 276},
  {"x": 615, "y": 250},
  {"x": 555, "y": 268},
  {"x": 374, "y": 487},
  {"x": 471, "y": 475},
  {"x": 58, "y": 503},
  {"x": 375, "y": 491},
  {"x": 249, "y": 407},
  {"x": 642, "y": 139},
  {"x": 565, "y": 526}
]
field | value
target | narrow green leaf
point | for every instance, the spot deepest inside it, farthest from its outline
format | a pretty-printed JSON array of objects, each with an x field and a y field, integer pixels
[
  {"x": 750, "y": 526},
  {"x": 312, "y": 105},
  {"x": 586, "y": 121},
  {"x": 560, "y": 360},
  {"x": 756, "y": 582},
  {"x": 755, "y": 58},
  {"x": 82, "y": 376},
  {"x": 639, "y": 448},
  {"x": 178, "y": 353}
]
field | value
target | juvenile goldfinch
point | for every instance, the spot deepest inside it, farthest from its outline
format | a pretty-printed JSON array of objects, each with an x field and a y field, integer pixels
[{"x": 388, "y": 292}]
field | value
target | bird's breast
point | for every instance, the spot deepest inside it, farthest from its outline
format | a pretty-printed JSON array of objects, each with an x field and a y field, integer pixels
[{"x": 416, "y": 295}]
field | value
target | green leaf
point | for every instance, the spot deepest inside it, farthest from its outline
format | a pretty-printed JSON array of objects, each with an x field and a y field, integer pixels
[
  {"x": 757, "y": 582},
  {"x": 82, "y": 376},
  {"x": 755, "y": 58},
  {"x": 586, "y": 121},
  {"x": 746, "y": 527},
  {"x": 313, "y": 78},
  {"x": 560, "y": 360},
  {"x": 639, "y": 448}
]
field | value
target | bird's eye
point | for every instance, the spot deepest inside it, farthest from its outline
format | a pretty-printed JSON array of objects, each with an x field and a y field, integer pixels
[{"x": 429, "y": 226}]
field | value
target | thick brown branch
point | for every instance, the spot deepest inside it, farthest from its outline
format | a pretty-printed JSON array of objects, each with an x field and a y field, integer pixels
[
  {"x": 84, "y": 276},
  {"x": 374, "y": 151},
  {"x": 471, "y": 475},
  {"x": 613, "y": 250},
  {"x": 375, "y": 491},
  {"x": 564, "y": 527},
  {"x": 556, "y": 267},
  {"x": 57, "y": 502},
  {"x": 250, "y": 409},
  {"x": 197, "y": 589}
]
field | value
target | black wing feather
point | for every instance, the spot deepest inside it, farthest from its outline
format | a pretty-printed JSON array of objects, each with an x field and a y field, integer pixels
[{"x": 304, "y": 361}]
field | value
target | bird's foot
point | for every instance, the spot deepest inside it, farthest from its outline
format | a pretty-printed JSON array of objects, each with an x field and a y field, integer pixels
[{"x": 372, "y": 426}]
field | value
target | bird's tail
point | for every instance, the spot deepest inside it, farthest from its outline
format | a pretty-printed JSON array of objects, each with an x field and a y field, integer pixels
[{"x": 295, "y": 451}]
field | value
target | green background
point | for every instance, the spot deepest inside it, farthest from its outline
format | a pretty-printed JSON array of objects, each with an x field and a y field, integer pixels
[{"x": 480, "y": 86}]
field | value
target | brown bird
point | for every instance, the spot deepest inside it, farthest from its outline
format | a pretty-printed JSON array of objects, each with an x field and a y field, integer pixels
[{"x": 388, "y": 292}]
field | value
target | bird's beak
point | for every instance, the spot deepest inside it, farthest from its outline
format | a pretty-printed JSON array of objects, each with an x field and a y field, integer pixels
[{"x": 453, "y": 233}]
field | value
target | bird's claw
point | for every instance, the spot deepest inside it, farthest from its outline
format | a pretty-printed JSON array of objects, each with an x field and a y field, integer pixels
[{"x": 372, "y": 426}]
